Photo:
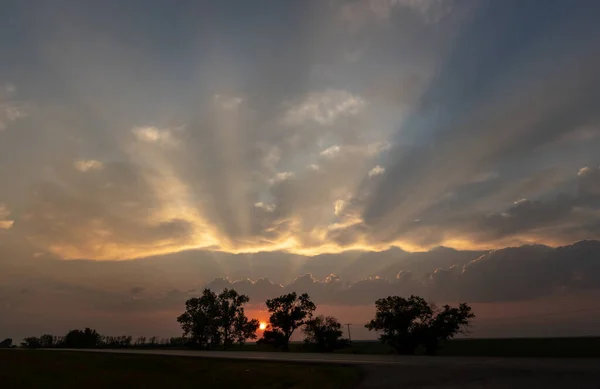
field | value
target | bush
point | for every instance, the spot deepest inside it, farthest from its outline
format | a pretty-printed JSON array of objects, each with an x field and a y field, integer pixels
[{"x": 324, "y": 333}]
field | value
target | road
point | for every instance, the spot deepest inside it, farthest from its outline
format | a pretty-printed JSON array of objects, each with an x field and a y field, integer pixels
[{"x": 393, "y": 371}]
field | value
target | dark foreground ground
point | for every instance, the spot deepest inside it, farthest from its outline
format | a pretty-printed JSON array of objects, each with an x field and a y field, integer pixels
[
  {"x": 44, "y": 369},
  {"x": 477, "y": 377},
  {"x": 187, "y": 369}
]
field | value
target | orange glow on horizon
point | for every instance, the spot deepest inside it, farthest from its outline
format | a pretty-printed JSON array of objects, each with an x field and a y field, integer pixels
[{"x": 262, "y": 326}]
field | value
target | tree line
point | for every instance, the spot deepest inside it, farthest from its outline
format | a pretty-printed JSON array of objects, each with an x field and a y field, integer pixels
[
  {"x": 218, "y": 321},
  {"x": 90, "y": 338}
]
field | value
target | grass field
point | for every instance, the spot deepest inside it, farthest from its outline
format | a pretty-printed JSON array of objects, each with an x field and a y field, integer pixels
[
  {"x": 55, "y": 369},
  {"x": 584, "y": 347}
]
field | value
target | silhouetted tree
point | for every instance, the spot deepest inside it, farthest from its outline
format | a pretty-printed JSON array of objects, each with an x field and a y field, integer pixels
[
  {"x": 405, "y": 324},
  {"x": 400, "y": 320},
  {"x": 324, "y": 332},
  {"x": 47, "y": 341},
  {"x": 116, "y": 341},
  {"x": 274, "y": 338},
  {"x": 58, "y": 341},
  {"x": 178, "y": 341},
  {"x": 233, "y": 324},
  {"x": 445, "y": 325},
  {"x": 6, "y": 343},
  {"x": 31, "y": 342},
  {"x": 140, "y": 341},
  {"x": 217, "y": 320},
  {"x": 198, "y": 320},
  {"x": 88, "y": 338},
  {"x": 288, "y": 312}
]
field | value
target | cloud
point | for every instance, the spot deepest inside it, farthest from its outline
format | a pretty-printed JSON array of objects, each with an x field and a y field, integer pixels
[
  {"x": 582, "y": 134},
  {"x": 376, "y": 171},
  {"x": 321, "y": 155},
  {"x": 559, "y": 219},
  {"x": 374, "y": 13},
  {"x": 432, "y": 11},
  {"x": 10, "y": 109},
  {"x": 324, "y": 107},
  {"x": 110, "y": 214},
  {"x": 266, "y": 207},
  {"x": 338, "y": 206},
  {"x": 353, "y": 56},
  {"x": 360, "y": 150},
  {"x": 483, "y": 177},
  {"x": 6, "y": 224},
  {"x": 439, "y": 148},
  {"x": 4, "y": 214},
  {"x": 228, "y": 103},
  {"x": 584, "y": 171},
  {"x": 352, "y": 280},
  {"x": 331, "y": 151},
  {"x": 154, "y": 135},
  {"x": 87, "y": 165},
  {"x": 9, "y": 89},
  {"x": 511, "y": 274},
  {"x": 281, "y": 176}
]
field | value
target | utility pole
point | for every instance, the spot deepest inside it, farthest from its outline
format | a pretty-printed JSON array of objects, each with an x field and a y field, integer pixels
[{"x": 349, "y": 336}]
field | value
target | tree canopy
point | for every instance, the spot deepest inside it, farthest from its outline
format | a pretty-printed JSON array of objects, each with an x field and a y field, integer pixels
[
  {"x": 288, "y": 312},
  {"x": 407, "y": 323},
  {"x": 88, "y": 338},
  {"x": 217, "y": 320},
  {"x": 6, "y": 343}
]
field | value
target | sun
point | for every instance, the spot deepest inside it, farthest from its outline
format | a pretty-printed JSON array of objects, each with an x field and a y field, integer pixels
[{"x": 262, "y": 326}]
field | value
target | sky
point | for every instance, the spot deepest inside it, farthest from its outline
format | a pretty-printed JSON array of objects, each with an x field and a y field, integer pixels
[{"x": 149, "y": 148}]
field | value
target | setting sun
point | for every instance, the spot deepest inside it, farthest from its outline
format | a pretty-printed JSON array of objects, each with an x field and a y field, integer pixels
[{"x": 262, "y": 326}]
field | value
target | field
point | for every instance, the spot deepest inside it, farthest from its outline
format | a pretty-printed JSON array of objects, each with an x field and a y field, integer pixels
[
  {"x": 55, "y": 369},
  {"x": 584, "y": 347}
]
